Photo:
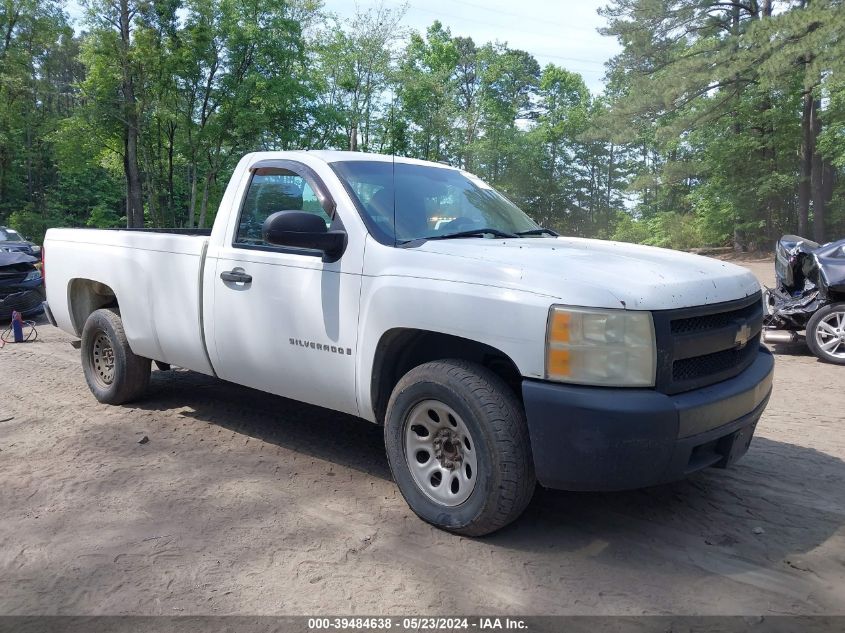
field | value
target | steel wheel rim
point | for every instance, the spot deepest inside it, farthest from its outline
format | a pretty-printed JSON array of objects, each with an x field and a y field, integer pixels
[
  {"x": 102, "y": 359},
  {"x": 440, "y": 453},
  {"x": 830, "y": 334}
]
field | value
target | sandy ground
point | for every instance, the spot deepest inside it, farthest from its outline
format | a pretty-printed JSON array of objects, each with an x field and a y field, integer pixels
[{"x": 246, "y": 503}]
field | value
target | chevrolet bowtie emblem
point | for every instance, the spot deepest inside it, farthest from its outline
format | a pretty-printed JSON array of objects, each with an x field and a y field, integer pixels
[{"x": 742, "y": 335}]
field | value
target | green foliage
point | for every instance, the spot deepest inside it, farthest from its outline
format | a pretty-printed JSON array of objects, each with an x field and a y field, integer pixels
[
  {"x": 721, "y": 122},
  {"x": 665, "y": 229},
  {"x": 104, "y": 216},
  {"x": 736, "y": 112},
  {"x": 673, "y": 230},
  {"x": 425, "y": 88},
  {"x": 34, "y": 67},
  {"x": 630, "y": 230},
  {"x": 28, "y": 223}
]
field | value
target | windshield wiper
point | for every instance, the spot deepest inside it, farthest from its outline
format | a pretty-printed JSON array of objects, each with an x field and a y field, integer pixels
[
  {"x": 471, "y": 233},
  {"x": 540, "y": 231}
]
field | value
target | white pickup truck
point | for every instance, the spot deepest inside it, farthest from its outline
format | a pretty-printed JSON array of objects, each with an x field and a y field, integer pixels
[{"x": 495, "y": 353}]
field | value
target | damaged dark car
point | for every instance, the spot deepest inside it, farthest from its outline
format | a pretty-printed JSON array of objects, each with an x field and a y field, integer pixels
[
  {"x": 21, "y": 285},
  {"x": 809, "y": 296},
  {"x": 11, "y": 240}
]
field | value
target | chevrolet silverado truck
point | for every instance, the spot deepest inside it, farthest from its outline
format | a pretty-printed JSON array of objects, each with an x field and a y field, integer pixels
[{"x": 495, "y": 353}]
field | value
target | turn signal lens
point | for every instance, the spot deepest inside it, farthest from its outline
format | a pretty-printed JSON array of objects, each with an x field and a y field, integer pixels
[
  {"x": 559, "y": 326},
  {"x": 559, "y": 362}
]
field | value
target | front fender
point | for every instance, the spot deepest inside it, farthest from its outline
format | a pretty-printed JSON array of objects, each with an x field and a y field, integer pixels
[{"x": 511, "y": 321}]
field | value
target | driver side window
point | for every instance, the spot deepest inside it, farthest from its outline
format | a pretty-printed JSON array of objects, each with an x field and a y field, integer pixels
[{"x": 273, "y": 189}]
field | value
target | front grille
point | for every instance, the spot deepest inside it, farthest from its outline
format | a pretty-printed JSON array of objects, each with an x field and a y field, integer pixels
[
  {"x": 702, "y": 366},
  {"x": 713, "y": 321},
  {"x": 706, "y": 344}
]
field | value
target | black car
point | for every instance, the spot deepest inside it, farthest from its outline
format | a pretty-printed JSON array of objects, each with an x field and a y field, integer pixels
[
  {"x": 810, "y": 296},
  {"x": 21, "y": 286},
  {"x": 14, "y": 242}
]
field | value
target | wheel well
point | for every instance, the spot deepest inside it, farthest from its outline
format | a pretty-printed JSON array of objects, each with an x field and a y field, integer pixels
[
  {"x": 400, "y": 350},
  {"x": 85, "y": 296}
]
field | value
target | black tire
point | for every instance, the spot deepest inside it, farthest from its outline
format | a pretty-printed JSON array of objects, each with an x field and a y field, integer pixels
[
  {"x": 813, "y": 333},
  {"x": 504, "y": 482},
  {"x": 113, "y": 372}
]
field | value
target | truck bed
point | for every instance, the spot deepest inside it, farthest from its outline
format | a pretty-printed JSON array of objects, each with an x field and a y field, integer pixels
[{"x": 155, "y": 275}]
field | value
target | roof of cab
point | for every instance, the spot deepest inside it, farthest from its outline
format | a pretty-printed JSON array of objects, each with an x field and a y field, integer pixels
[{"x": 335, "y": 156}]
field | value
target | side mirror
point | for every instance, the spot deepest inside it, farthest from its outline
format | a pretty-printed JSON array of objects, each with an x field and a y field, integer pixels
[{"x": 303, "y": 230}]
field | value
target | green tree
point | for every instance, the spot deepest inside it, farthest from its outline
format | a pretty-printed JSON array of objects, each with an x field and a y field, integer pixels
[
  {"x": 709, "y": 91},
  {"x": 509, "y": 81},
  {"x": 36, "y": 69},
  {"x": 426, "y": 90},
  {"x": 114, "y": 74},
  {"x": 355, "y": 61}
]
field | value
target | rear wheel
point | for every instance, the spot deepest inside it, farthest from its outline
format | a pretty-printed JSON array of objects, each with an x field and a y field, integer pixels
[
  {"x": 826, "y": 333},
  {"x": 113, "y": 372},
  {"x": 458, "y": 447}
]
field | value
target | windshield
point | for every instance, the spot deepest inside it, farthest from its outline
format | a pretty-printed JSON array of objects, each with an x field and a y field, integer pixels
[
  {"x": 430, "y": 202},
  {"x": 8, "y": 235}
]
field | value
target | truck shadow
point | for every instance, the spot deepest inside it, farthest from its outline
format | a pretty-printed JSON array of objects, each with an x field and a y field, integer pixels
[
  {"x": 781, "y": 499},
  {"x": 778, "y": 493},
  {"x": 798, "y": 348},
  {"x": 343, "y": 439}
]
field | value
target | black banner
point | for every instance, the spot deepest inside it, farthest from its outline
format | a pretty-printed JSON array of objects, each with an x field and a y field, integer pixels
[{"x": 403, "y": 624}]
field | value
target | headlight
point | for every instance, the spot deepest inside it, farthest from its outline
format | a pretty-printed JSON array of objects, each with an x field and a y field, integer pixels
[
  {"x": 31, "y": 275},
  {"x": 610, "y": 348},
  {"x": 35, "y": 248}
]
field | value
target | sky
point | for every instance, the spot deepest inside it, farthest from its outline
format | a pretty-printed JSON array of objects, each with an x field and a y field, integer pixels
[{"x": 561, "y": 32}]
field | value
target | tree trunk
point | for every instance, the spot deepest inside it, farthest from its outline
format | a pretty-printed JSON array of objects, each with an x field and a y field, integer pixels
[
  {"x": 817, "y": 179},
  {"x": 151, "y": 196},
  {"x": 806, "y": 159},
  {"x": 829, "y": 177},
  {"x": 134, "y": 196},
  {"x": 193, "y": 203},
  {"x": 468, "y": 143},
  {"x": 134, "y": 199},
  {"x": 609, "y": 177},
  {"x": 353, "y": 138},
  {"x": 171, "y": 140},
  {"x": 204, "y": 206},
  {"x": 152, "y": 193},
  {"x": 367, "y": 115}
]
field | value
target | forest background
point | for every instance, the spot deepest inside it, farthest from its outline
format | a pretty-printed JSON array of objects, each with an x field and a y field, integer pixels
[{"x": 720, "y": 123}]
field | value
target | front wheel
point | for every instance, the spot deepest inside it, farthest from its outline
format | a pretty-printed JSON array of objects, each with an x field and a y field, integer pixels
[
  {"x": 458, "y": 447},
  {"x": 113, "y": 372},
  {"x": 826, "y": 333}
]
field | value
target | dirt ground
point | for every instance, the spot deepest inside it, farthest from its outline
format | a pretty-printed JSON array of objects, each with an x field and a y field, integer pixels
[{"x": 245, "y": 503}]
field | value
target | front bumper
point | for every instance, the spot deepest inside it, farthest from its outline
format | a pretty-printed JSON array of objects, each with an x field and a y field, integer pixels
[
  {"x": 598, "y": 438},
  {"x": 25, "y": 300}
]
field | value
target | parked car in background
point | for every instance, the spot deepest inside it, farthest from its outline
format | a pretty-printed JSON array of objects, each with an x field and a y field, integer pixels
[
  {"x": 809, "y": 296},
  {"x": 21, "y": 286},
  {"x": 12, "y": 241}
]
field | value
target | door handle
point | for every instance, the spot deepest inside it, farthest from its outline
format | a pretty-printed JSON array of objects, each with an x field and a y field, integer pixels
[{"x": 236, "y": 276}]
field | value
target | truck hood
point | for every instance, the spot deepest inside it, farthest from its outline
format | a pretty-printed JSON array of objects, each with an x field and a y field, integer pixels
[{"x": 597, "y": 273}]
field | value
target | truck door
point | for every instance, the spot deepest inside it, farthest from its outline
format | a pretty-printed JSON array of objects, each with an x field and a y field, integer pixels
[{"x": 285, "y": 322}]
